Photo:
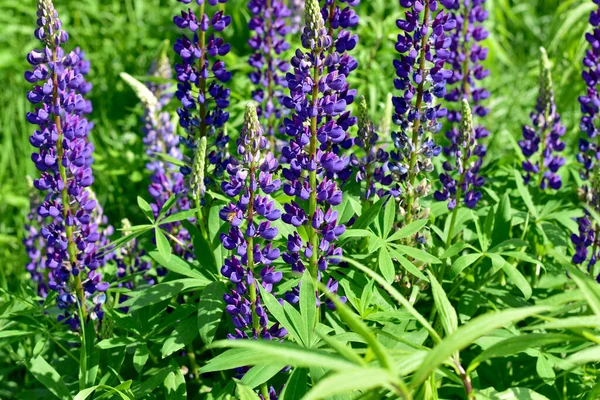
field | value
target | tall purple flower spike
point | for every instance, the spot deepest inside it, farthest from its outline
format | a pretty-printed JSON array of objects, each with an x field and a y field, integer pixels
[
  {"x": 159, "y": 137},
  {"x": 424, "y": 48},
  {"x": 466, "y": 56},
  {"x": 586, "y": 240},
  {"x": 270, "y": 24},
  {"x": 319, "y": 94},
  {"x": 201, "y": 74},
  {"x": 544, "y": 136},
  {"x": 464, "y": 147},
  {"x": 250, "y": 215},
  {"x": 63, "y": 155}
]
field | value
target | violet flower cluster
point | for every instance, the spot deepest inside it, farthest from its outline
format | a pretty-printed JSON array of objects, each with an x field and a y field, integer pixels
[
  {"x": 159, "y": 137},
  {"x": 424, "y": 48},
  {"x": 586, "y": 241},
  {"x": 251, "y": 232},
  {"x": 318, "y": 126},
  {"x": 63, "y": 155},
  {"x": 464, "y": 147},
  {"x": 372, "y": 167},
  {"x": 270, "y": 25},
  {"x": 466, "y": 56},
  {"x": 544, "y": 136},
  {"x": 201, "y": 74}
]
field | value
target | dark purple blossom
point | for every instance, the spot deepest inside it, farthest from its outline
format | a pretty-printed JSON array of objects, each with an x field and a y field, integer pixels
[
  {"x": 318, "y": 126},
  {"x": 250, "y": 215},
  {"x": 424, "y": 48},
  {"x": 270, "y": 25},
  {"x": 542, "y": 141},
  {"x": 204, "y": 99},
  {"x": 63, "y": 156},
  {"x": 467, "y": 162}
]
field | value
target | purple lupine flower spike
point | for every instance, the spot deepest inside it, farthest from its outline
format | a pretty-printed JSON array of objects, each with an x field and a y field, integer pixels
[
  {"x": 159, "y": 137},
  {"x": 270, "y": 25},
  {"x": 463, "y": 187},
  {"x": 250, "y": 215},
  {"x": 543, "y": 138},
  {"x": 63, "y": 156},
  {"x": 372, "y": 168},
  {"x": 424, "y": 47},
  {"x": 587, "y": 250},
  {"x": 466, "y": 56},
  {"x": 318, "y": 126},
  {"x": 34, "y": 243},
  {"x": 204, "y": 100}
]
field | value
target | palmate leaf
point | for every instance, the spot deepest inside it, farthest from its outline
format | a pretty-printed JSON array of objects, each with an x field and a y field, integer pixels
[
  {"x": 175, "y": 385},
  {"x": 210, "y": 311},
  {"x": 163, "y": 291},
  {"x": 509, "y": 394},
  {"x": 49, "y": 377},
  {"x": 589, "y": 288},
  {"x": 177, "y": 265},
  {"x": 258, "y": 352},
  {"x": 465, "y": 335},
  {"x": 182, "y": 335},
  {"x": 260, "y": 374},
  {"x": 296, "y": 386},
  {"x": 447, "y": 312}
]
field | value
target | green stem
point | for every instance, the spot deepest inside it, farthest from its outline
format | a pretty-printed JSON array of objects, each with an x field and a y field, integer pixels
[
  {"x": 264, "y": 389},
  {"x": 312, "y": 207},
  {"x": 417, "y": 124},
  {"x": 71, "y": 247},
  {"x": 193, "y": 364}
]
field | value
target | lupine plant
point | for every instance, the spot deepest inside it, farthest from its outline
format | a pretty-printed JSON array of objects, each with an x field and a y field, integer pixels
[{"x": 342, "y": 200}]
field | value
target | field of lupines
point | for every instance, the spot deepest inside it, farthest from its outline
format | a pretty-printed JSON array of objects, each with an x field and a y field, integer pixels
[{"x": 288, "y": 199}]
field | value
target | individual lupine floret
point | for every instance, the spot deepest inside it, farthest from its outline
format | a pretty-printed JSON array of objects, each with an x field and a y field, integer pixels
[
  {"x": 544, "y": 136},
  {"x": 372, "y": 168},
  {"x": 464, "y": 148},
  {"x": 424, "y": 46},
  {"x": 270, "y": 24},
  {"x": 204, "y": 99},
  {"x": 63, "y": 156},
  {"x": 317, "y": 125},
  {"x": 249, "y": 237}
]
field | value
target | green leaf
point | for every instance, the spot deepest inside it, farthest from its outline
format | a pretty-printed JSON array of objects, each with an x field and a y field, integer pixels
[
  {"x": 513, "y": 273},
  {"x": 116, "y": 342},
  {"x": 140, "y": 357},
  {"x": 175, "y": 385},
  {"x": 276, "y": 309},
  {"x": 418, "y": 254},
  {"x": 47, "y": 375},
  {"x": 182, "y": 335},
  {"x": 257, "y": 352},
  {"x": 163, "y": 291},
  {"x": 589, "y": 355},
  {"x": 568, "y": 323},
  {"x": 176, "y": 265},
  {"x": 296, "y": 386},
  {"x": 210, "y": 311},
  {"x": 166, "y": 207},
  {"x": 396, "y": 296},
  {"x": 454, "y": 250},
  {"x": 503, "y": 221},
  {"x": 389, "y": 214},
  {"x": 544, "y": 370},
  {"x": 462, "y": 263},
  {"x": 520, "y": 343},
  {"x": 144, "y": 388},
  {"x": 163, "y": 245},
  {"x": 386, "y": 265},
  {"x": 244, "y": 392},
  {"x": 84, "y": 394},
  {"x": 509, "y": 394},
  {"x": 465, "y": 335},
  {"x": 408, "y": 230},
  {"x": 146, "y": 209},
  {"x": 369, "y": 215},
  {"x": 363, "y": 380},
  {"x": 409, "y": 266},
  {"x": 122, "y": 241},
  {"x": 524, "y": 192},
  {"x": 447, "y": 312},
  {"x": 180, "y": 216},
  {"x": 308, "y": 304},
  {"x": 260, "y": 374},
  {"x": 588, "y": 287},
  {"x": 202, "y": 249}
]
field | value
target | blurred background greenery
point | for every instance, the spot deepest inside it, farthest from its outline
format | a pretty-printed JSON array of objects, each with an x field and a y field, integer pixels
[{"x": 124, "y": 35}]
